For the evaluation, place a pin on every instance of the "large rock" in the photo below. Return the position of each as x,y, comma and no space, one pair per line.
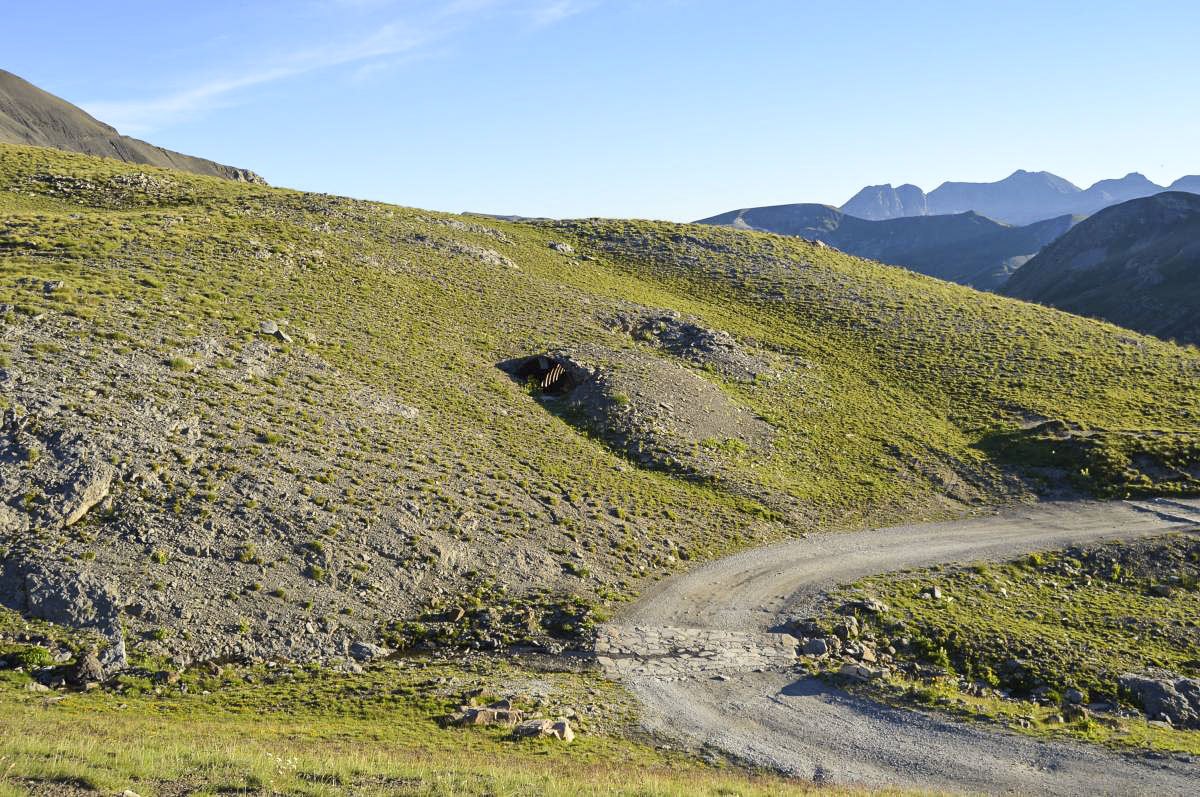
559,729
366,651
815,647
78,600
1164,693
864,605
859,672
87,670
87,486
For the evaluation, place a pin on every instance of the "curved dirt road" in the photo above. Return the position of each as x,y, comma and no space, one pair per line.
698,654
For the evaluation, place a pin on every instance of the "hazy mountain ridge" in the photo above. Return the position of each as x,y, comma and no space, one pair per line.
1190,184
876,202
32,117
966,248
1136,264
1021,198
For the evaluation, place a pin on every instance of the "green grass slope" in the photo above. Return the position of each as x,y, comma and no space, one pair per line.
371,472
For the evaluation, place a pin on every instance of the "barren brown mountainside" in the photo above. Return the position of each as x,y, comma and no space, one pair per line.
33,117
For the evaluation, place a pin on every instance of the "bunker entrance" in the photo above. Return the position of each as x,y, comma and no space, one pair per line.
551,377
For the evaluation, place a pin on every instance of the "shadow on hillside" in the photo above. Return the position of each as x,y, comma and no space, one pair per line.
1059,456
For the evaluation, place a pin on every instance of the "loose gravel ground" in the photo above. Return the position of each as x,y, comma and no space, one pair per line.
749,702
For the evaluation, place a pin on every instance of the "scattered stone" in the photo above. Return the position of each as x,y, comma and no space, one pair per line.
866,605
1073,695
167,677
932,592
366,651
562,729
1075,713
559,729
562,248
847,628
807,627
858,672
688,339
534,727
1055,719
1161,590
815,647
272,328
34,686
499,713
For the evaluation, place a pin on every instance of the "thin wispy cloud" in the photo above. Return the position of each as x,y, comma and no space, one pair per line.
387,46
549,13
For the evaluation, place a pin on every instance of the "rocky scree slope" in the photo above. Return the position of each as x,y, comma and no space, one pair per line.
965,248
31,116
1136,264
244,422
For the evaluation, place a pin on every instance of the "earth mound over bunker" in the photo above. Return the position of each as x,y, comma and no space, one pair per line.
658,413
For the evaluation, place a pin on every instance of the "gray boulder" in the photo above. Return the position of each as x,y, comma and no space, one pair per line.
365,651
87,486
815,647
863,605
78,600
1164,693
87,670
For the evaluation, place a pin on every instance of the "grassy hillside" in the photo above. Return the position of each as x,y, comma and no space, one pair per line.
293,404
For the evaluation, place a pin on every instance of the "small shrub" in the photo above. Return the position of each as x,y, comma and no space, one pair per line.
34,656
248,555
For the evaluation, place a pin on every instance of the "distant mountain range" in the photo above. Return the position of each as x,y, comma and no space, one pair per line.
1136,264
966,248
1021,198
32,117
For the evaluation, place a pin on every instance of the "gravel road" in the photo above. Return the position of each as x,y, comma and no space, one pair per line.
697,652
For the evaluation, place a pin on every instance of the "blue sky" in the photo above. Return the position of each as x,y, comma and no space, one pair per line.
671,109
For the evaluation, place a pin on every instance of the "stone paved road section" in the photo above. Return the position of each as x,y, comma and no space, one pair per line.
698,652
666,652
